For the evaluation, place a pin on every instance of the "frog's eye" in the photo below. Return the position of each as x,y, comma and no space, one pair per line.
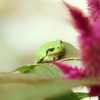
60,42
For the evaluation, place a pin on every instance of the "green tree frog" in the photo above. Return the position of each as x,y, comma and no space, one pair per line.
49,51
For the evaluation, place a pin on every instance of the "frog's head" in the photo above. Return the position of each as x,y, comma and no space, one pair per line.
55,47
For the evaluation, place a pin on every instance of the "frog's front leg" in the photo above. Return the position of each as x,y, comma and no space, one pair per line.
48,58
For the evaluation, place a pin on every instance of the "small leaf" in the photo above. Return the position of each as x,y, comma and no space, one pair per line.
25,69
44,69
82,95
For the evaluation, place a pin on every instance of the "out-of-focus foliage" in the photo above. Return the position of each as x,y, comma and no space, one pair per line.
36,87
40,82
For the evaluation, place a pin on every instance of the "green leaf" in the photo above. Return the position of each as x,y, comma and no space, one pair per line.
45,70
82,95
73,61
25,69
70,51
36,87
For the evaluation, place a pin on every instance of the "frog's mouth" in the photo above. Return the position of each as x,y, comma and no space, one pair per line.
59,55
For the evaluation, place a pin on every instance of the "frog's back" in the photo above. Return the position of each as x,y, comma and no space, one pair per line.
41,52
48,45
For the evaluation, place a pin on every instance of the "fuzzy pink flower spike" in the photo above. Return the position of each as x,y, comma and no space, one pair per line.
89,40
68,71
94,9
81,22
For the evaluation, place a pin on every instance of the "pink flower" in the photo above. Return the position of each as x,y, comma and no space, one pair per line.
94,90
89,40
94,9
68,71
